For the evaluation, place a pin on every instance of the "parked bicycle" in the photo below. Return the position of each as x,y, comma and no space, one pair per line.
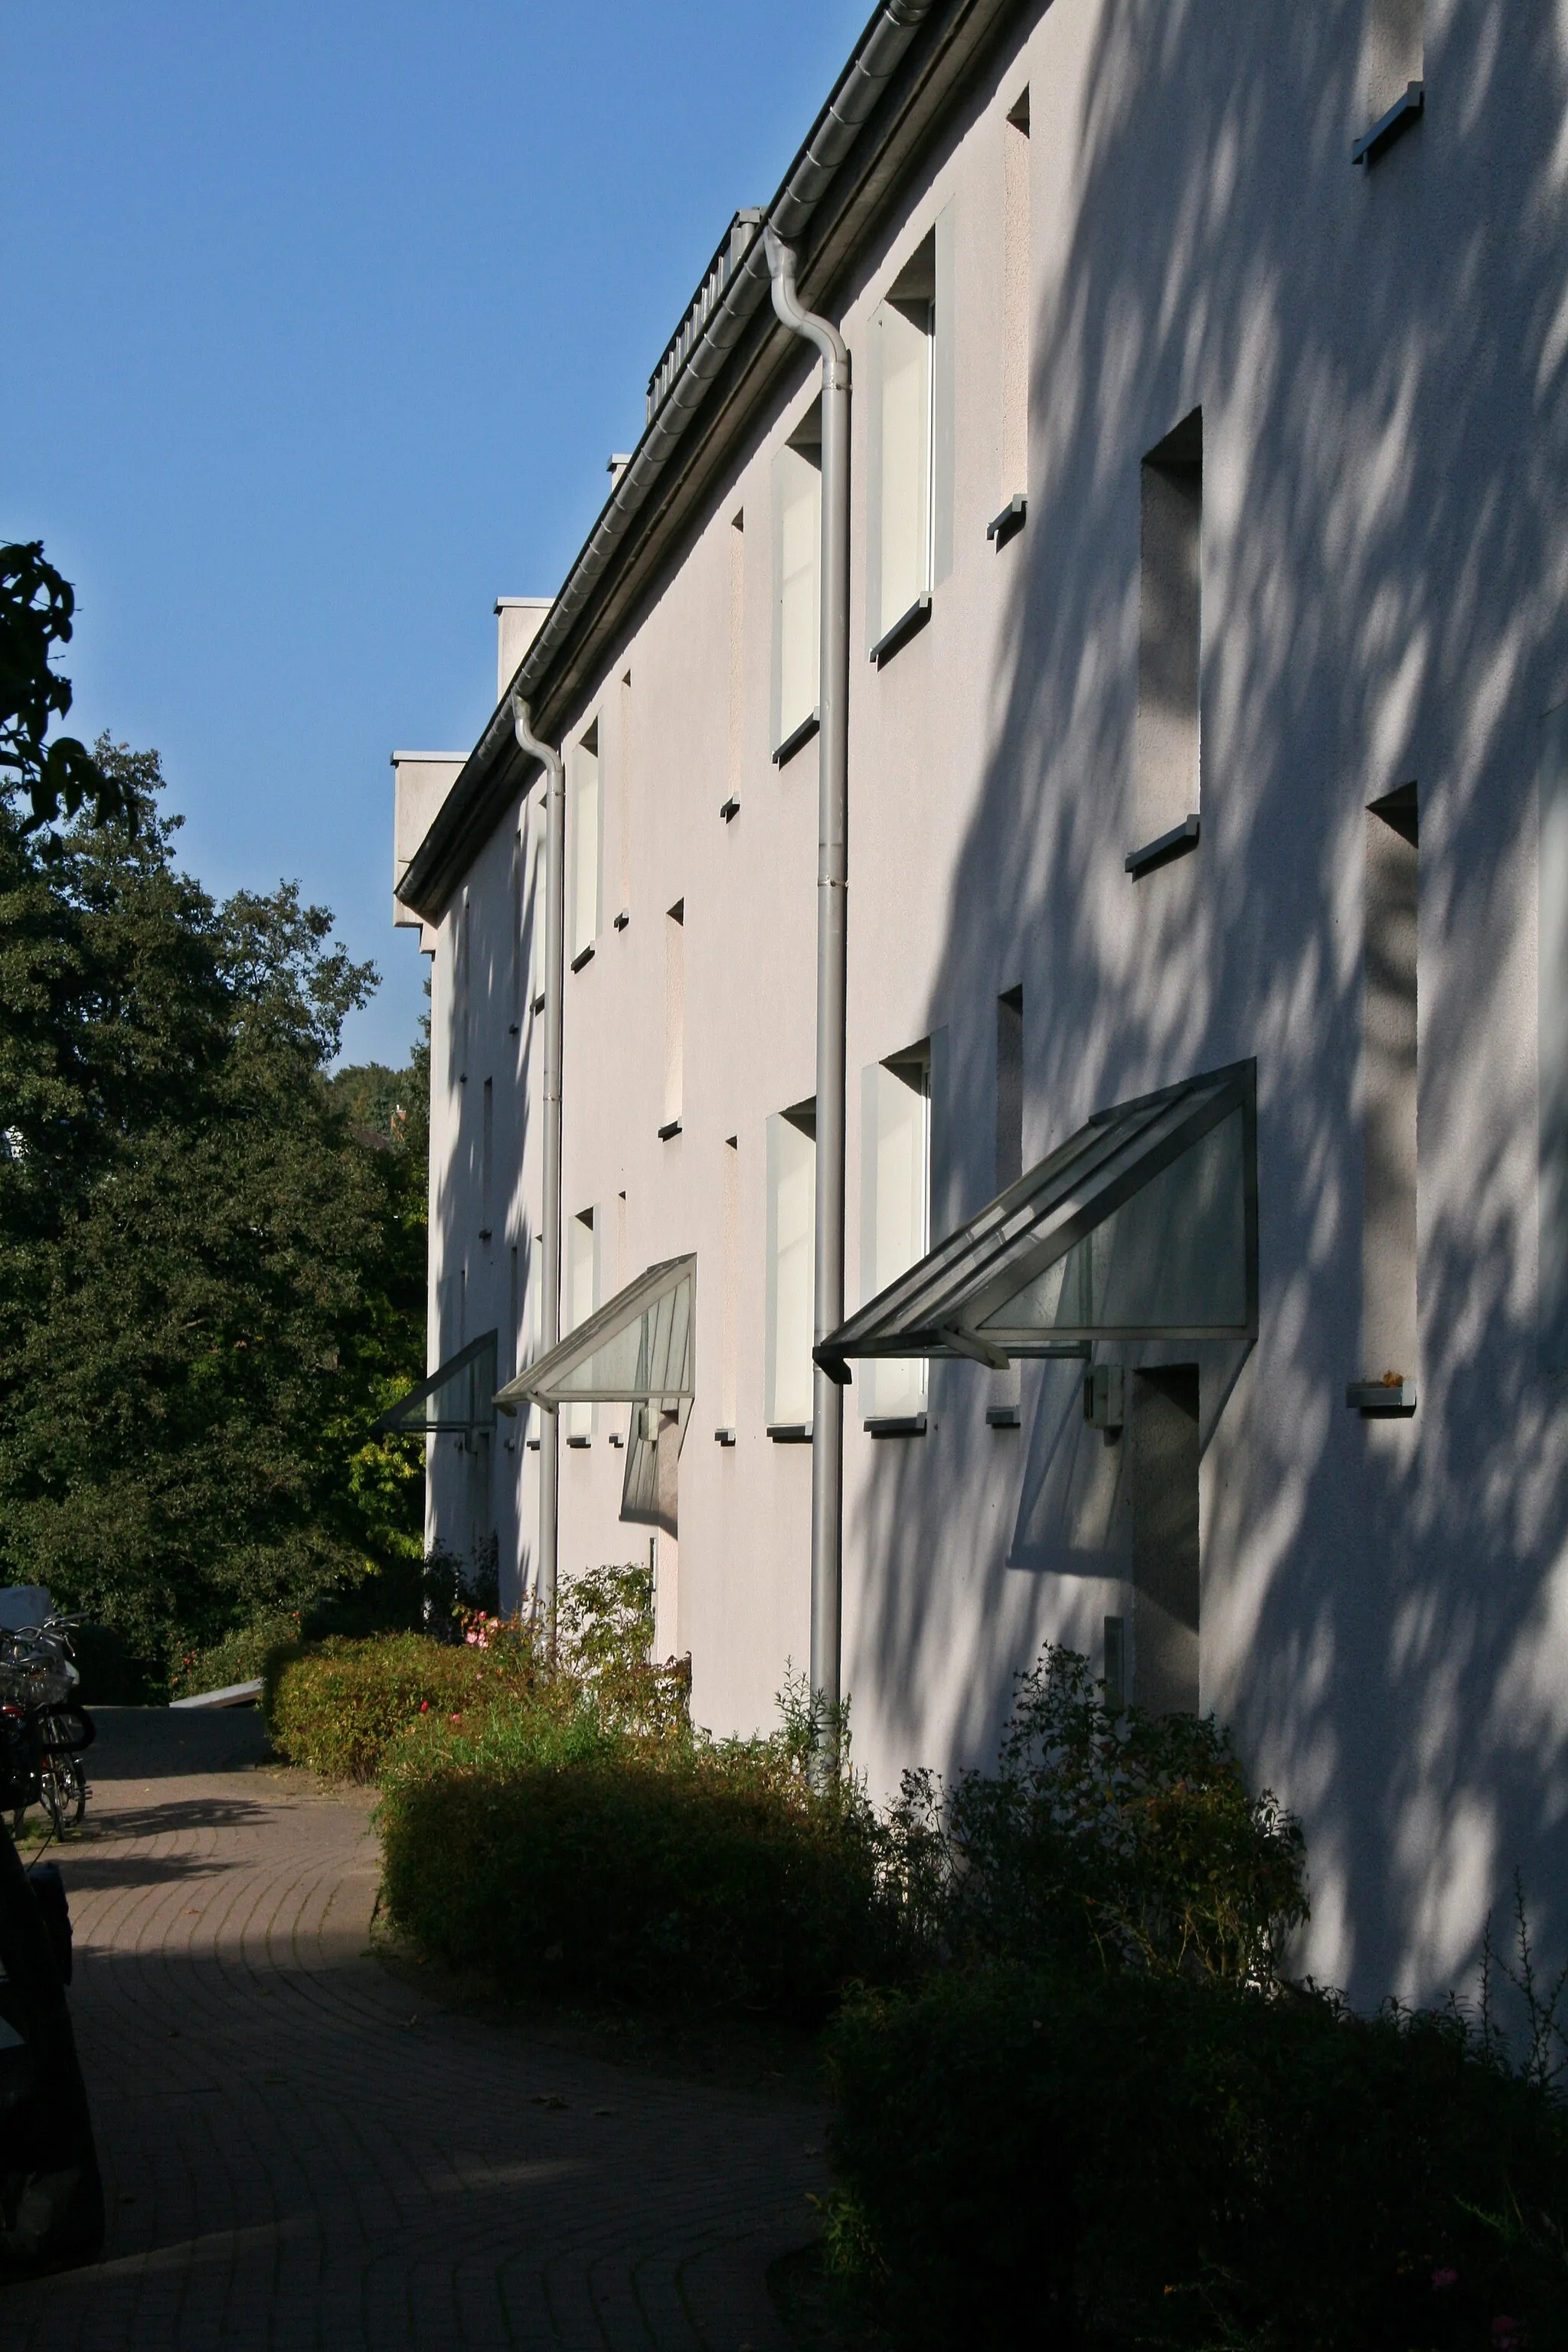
44,1730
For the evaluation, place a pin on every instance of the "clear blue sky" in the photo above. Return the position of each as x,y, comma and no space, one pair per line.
323,320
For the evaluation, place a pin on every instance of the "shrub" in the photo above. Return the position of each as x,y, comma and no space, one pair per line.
1121,2159
568,1856
337,1706
1113,1839
240,1657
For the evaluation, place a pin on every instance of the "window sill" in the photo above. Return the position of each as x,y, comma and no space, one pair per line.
578,1444
797,739
1383,1399
583,956
894,1425
538,1005
1402,116
723,1437
790,1433
1010,521
1165,846
670,1131
616,1440
906,625
731,809
623,918
1002,1416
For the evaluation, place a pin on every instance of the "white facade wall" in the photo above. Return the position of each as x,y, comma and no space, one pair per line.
1379,360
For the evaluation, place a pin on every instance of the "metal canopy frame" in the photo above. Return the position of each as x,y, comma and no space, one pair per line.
952,1302
652,1317
470,1374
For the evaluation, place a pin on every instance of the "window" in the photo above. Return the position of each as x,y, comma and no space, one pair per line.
1009,1087
1552,1039
1388,1083
1115,1664
737,652
1166,1580
582,1298
895,1211
1393,92
584,888
730,1358
792,1269
1016,301
1393,54
1166,750
797,583
674,1017
518,886
623,796
461,962
487,1159
1005,1402
910,472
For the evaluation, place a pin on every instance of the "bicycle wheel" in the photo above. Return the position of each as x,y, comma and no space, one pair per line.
62,1788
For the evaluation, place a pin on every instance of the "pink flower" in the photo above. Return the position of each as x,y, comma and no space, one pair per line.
424,1707
1444,2278
455,1719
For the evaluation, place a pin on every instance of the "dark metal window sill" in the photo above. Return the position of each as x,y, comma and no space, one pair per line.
578,1442
1402,116
797,739
1379,1397
1166,846
790,1433
1010,521
906,625
894,1425
731,809
538,1004
583,956
1002,1416
723,1437
671,1128
623,918
616,1440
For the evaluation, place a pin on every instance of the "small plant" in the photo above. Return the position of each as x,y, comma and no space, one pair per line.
1116,1838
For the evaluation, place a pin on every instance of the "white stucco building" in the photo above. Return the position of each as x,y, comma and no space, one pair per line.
1208,550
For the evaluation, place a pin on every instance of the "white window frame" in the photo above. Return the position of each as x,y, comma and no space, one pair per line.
792,1269
585,848
895,1211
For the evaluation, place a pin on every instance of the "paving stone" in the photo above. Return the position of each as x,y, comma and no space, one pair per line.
288,2162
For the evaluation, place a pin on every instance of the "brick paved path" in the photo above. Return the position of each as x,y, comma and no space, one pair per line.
297,2152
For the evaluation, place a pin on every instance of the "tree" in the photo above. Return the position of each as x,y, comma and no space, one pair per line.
37,611
211,1286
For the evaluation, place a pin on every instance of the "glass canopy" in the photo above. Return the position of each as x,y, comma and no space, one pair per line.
1143,1225
635,1350
456,1397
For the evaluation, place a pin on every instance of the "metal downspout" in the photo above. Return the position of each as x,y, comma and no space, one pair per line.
555,1031
832,826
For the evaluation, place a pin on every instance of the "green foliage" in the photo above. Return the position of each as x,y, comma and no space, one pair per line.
212,1289
242,1656
338,1706
1124,1839
37,613
562,1828
1125,2159
562,1855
